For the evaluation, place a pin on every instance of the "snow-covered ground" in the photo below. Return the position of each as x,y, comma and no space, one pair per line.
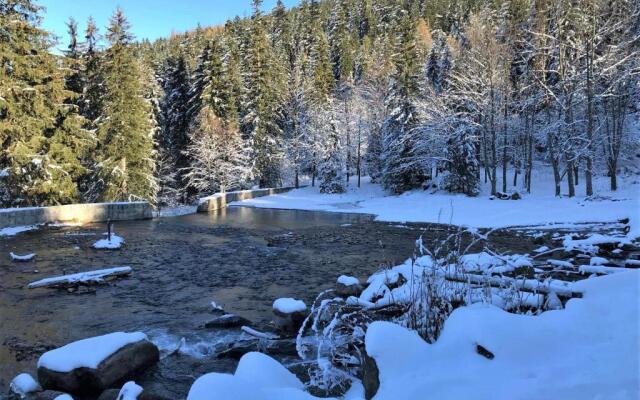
539,207
589,350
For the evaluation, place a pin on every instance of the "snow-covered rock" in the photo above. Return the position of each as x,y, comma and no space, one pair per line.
23,384
22,258
348,286
258,377
105,244
63,397
93,364
288,305
14,230
289,313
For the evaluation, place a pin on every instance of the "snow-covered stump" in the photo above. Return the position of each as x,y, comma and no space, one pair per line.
90,366
290,314
82,278
348,286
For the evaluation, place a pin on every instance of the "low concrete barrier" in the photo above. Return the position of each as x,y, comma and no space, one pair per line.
220,200
77,213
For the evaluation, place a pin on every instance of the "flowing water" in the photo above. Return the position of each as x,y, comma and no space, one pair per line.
243,258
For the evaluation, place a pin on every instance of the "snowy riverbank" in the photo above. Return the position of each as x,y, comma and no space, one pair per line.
538,208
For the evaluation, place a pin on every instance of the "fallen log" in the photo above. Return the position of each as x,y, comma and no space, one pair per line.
82,278
524,285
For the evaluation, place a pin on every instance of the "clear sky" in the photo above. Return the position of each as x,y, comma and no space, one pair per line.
150,19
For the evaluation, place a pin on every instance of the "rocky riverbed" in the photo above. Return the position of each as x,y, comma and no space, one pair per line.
241,258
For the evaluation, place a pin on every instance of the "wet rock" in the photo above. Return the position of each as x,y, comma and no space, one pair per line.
227,321
370,376
343,290
121,365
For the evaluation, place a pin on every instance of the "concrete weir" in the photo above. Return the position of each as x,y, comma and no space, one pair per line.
220,200
76,213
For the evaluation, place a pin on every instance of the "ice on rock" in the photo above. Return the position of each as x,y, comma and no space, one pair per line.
87,353
24,384
288,305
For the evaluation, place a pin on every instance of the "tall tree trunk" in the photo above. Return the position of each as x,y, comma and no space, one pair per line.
570,179
588,173
504,150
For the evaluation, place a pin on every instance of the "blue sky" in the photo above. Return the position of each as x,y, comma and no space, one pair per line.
150,19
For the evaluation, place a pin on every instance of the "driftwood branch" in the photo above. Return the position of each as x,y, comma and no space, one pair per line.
524,285
82,278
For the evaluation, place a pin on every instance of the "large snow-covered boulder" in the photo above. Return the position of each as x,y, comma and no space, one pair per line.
94,364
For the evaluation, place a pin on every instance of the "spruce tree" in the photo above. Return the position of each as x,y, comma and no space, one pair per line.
91,100
401,172
38,131
125,169
262,101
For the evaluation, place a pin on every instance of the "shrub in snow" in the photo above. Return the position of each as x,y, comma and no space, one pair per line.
23,384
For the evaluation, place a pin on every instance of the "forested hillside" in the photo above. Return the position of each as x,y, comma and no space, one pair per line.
411,93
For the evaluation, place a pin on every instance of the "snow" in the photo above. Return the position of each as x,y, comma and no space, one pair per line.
84,277
598,261
539,207
541,249
14,230
105,244
348,280
288,305
130,391
18,257
63,397
258,377
87,353
24,384
586,351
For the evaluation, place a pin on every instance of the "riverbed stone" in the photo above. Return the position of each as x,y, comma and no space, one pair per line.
227,321
124,364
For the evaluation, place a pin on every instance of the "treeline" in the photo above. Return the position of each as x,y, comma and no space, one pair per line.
410,92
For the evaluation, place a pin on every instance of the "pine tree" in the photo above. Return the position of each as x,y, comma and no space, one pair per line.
125,170
401,172
38,131
331,171
262,101
176,116
91,101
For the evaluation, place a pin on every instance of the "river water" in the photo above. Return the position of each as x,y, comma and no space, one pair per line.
243,258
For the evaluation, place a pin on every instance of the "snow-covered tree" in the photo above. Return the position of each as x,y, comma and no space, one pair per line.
218,154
